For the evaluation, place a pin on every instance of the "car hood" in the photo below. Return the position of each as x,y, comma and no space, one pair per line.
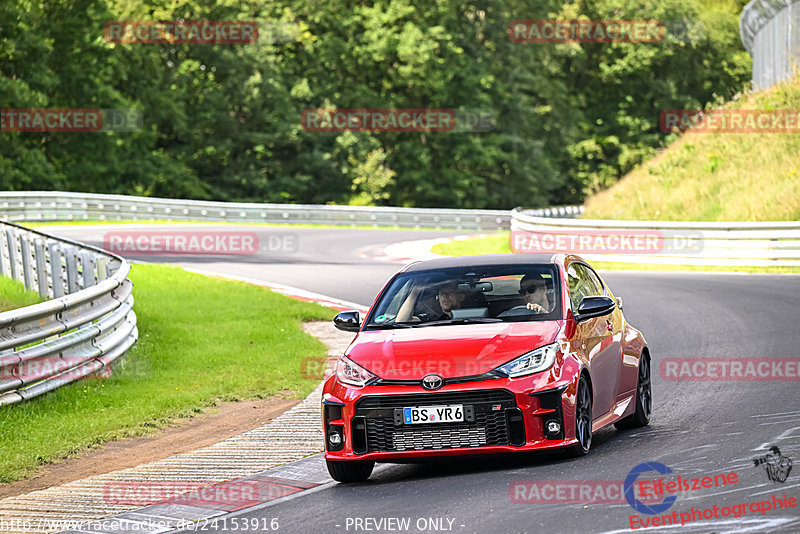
451,351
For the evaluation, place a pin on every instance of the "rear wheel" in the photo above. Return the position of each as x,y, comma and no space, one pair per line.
350,471
644,398
583,419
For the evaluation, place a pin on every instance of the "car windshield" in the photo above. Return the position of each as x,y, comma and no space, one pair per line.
469,295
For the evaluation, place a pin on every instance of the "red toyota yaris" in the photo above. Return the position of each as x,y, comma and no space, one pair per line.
483,354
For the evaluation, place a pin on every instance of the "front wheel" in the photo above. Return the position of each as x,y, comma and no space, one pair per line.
583,420
644,399
357,471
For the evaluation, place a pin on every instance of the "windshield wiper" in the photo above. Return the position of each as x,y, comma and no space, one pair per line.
470,320
388,326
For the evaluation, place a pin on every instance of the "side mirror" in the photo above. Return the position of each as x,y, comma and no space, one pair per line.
349,321
594,307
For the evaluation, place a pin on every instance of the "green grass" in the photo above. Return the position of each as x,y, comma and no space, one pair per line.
201,341
715,177
14,295
499,244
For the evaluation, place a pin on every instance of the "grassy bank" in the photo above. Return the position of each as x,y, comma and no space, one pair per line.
699,177
715,177
201,341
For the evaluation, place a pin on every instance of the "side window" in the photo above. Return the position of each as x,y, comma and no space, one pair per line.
582,282
575,285
593,280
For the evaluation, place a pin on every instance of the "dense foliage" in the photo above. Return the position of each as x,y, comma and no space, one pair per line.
223,121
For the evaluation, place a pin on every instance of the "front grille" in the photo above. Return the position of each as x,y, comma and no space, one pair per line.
384,433
491,375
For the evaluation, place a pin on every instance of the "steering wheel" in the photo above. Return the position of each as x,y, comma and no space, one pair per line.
517,311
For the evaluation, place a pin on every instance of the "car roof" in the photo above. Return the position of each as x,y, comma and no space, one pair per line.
481,260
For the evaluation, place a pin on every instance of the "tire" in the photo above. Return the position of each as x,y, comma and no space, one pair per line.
583,420
644,398
357,471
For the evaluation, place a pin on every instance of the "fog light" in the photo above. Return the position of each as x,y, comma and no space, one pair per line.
334,438
553,427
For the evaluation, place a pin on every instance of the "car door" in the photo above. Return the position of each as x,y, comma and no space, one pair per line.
599,342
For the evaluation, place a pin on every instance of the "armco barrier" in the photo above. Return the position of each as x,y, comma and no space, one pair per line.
87,323
683,243
43,206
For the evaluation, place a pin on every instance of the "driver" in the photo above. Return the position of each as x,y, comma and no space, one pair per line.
534,290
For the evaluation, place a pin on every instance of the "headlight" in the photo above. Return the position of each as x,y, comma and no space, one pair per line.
350,372
531,362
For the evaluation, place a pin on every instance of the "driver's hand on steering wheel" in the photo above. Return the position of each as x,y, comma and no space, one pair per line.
535,307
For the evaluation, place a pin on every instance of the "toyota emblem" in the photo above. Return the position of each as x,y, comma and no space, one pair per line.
432,382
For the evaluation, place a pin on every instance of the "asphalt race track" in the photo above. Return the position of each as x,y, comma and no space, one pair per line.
698,428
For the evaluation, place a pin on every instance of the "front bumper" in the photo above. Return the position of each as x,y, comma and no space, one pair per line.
501,415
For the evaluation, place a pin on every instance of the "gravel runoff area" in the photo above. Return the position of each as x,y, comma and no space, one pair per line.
263,464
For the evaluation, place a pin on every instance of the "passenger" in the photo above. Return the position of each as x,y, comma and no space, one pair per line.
448,296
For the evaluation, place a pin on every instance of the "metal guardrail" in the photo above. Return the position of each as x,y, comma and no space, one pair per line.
682,243
770,31
558,212
88,323
42,206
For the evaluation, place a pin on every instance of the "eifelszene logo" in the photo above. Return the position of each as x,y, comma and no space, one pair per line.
638,505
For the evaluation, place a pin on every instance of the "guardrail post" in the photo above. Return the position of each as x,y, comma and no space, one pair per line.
3,269
87,269
11,241
71,258
102,268
56,270
27,271
41,267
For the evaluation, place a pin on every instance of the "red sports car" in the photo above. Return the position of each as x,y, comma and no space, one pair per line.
483,354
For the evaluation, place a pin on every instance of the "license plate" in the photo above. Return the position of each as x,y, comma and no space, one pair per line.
452,413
